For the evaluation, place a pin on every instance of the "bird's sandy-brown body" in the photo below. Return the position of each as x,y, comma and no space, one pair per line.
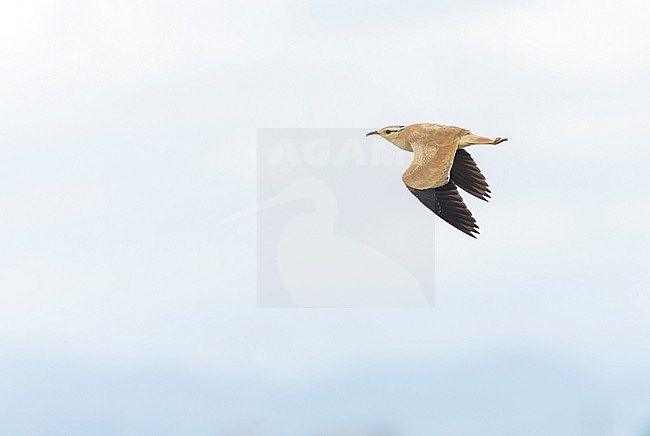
434,147
439,164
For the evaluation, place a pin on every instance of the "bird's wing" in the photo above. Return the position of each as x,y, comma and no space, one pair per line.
427,177
466,175
446,202
433,154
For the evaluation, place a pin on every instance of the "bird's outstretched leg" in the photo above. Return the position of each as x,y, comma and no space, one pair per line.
471,139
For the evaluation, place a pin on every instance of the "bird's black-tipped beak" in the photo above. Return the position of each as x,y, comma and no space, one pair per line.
374,132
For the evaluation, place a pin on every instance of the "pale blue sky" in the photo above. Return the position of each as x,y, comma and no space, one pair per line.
129,129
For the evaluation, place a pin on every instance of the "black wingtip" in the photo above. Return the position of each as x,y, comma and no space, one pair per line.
445,202
467,176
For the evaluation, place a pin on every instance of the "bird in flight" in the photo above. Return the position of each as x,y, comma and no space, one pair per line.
440,164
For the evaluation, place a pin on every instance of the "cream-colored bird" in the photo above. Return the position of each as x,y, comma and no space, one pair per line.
440,163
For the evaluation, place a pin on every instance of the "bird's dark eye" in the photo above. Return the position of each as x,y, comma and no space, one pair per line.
387,132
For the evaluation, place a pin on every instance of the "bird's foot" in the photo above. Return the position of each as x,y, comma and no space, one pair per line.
499,140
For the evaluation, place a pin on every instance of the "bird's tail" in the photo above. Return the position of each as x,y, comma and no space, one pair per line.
471,139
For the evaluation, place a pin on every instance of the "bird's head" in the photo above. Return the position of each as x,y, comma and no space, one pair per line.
393,134
388,132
